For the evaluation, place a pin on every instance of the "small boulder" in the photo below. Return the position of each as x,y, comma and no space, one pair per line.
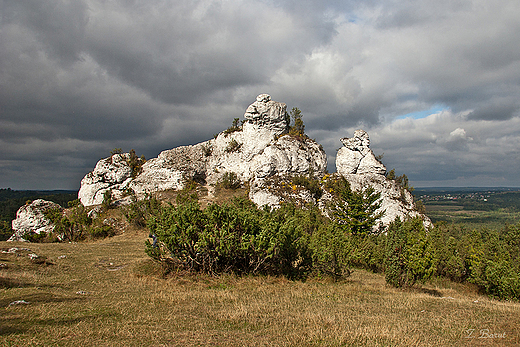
30,218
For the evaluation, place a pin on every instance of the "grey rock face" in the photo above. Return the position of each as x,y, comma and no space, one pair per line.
31,219
356,157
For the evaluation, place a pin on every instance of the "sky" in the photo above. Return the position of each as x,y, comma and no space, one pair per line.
436,84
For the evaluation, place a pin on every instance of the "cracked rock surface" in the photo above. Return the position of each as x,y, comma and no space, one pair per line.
356,157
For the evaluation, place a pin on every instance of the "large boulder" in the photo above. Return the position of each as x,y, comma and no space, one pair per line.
113,173
30,218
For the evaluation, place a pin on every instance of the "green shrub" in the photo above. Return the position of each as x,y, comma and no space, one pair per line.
107,200
501,279
5,230
408,255
73,226
116,151
207,150
367,251
454,250
311,184
188,193
355,211
495,266
230,180
102,231
139,211
402,182
234,237
298,128
233,146
135,163
331,251
234,127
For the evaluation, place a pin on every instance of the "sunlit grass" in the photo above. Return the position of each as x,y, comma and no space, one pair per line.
109,293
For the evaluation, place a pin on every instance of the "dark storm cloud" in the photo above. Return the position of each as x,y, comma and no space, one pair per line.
57,26
78,78
501,109
182,52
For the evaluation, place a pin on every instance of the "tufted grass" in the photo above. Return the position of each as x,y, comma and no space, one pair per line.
109,293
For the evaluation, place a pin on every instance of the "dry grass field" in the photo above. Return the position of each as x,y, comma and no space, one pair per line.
109,293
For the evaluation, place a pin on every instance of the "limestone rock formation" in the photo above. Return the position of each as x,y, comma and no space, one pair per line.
259,149
112,173
357,163
260,153
31,218
356,157
268,114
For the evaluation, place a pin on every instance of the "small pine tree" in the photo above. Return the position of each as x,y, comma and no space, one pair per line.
298,129
116,151
135,163
355,211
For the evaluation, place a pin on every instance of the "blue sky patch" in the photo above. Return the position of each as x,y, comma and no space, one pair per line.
424,113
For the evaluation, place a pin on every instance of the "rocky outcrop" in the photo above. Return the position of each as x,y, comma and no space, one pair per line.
268,114
31,218
395,200
357,163
356,157
261,153
260,148
112,173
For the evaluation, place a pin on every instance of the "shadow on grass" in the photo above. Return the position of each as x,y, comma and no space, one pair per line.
6,283
18,320
16,324
432,292
38,298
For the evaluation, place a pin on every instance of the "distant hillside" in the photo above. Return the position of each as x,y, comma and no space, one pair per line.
471,199
490,208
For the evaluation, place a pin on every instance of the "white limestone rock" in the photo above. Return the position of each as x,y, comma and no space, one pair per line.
356,157
170,170
268,114
357,163
260,194
31,218
258,149
112,173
